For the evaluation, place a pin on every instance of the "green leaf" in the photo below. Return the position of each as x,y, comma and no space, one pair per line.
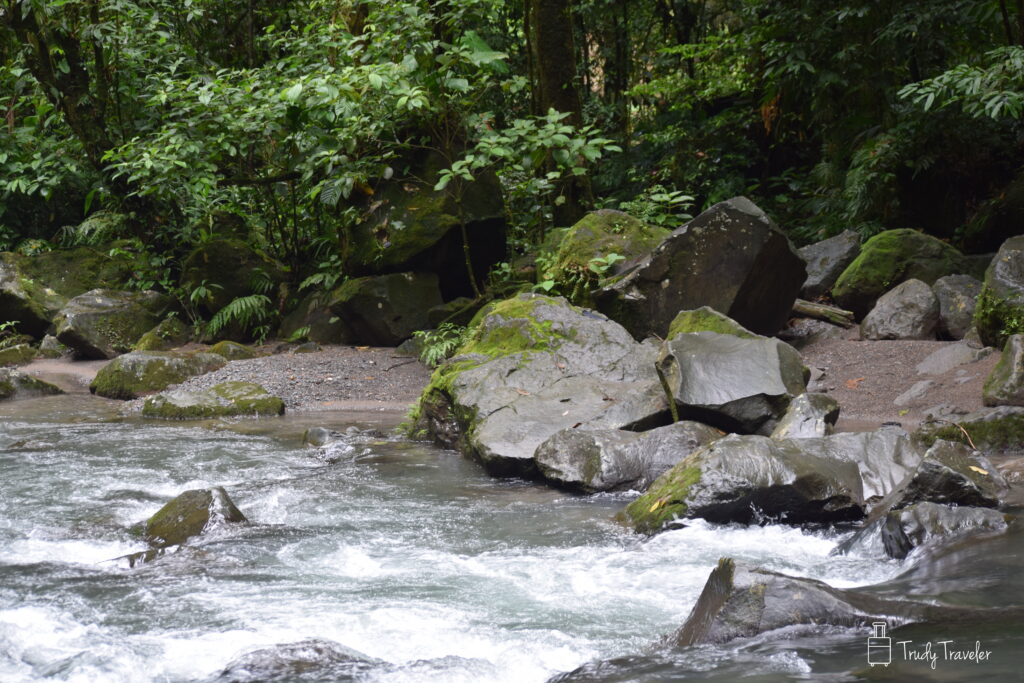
292,93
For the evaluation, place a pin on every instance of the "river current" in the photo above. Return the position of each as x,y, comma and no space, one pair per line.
404,552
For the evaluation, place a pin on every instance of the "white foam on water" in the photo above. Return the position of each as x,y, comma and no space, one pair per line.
68,551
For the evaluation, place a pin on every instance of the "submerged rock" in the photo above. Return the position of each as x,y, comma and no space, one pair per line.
533,366
746,479
227,399
313,659
732,258
957,295
826,260
908,311
738,385
16,384
190,514
142,372
808,416
1005,384
385,310
613,459
104,323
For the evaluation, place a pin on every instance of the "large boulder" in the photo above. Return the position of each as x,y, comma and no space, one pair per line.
826,260
892,257
228,269
952,474
30,304
908,311
313,319
384,310
410,226
104,323
957,295
706,319
736,384
746,479
143,372
1005,384
170,333
1000,309
614,459
16,384
732,258
190,514
533,366
595,236
313,659
808,416
227,399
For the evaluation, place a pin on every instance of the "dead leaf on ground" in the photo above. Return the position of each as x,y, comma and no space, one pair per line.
978,470
853,383
522,392
362,348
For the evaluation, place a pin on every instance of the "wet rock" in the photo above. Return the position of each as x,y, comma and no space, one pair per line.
890,258
738,385
732,258
952,474
988,428
1000,309
233,350
190,514
596,235
1005,384
898,532
168,334
319,436
227,399
746,479
808,416
957,295
312,319
385,310
909,311
613,459
707,319
104,323
142,372
536,365
826,260
313,659
16,384
19,354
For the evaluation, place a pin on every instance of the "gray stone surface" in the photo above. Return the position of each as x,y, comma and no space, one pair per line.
826,260
808,416
957,295
1004,287
1005,384
384,310
104,323
908,311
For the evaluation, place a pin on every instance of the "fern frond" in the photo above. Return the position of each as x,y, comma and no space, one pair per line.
248,311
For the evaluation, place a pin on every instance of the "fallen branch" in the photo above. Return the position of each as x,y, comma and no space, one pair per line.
830,314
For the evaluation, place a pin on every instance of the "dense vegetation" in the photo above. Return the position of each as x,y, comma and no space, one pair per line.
279,122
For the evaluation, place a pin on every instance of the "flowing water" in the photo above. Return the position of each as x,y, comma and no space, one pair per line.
401,551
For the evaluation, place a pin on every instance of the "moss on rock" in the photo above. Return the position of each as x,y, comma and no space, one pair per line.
227,399
16,384
19,354
233,350
141,372
169,334
707,319
189,514
666,500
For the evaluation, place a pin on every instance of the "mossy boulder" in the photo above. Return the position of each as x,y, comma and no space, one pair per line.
28,302
19,354
233,350
227,399
410,226
16,384
1005,384
890,258
535,365
170,333
189,515
50,347
104,323
999,428
747,478
230,268
313,320
595,236
731,257
999,312
384,310
143,372
707,319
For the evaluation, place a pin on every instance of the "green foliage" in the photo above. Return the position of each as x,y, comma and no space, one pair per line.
993,89
9,334
251,313
659,206
439,345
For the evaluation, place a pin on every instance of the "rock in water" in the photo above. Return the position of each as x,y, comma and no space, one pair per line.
890,258
953,474
385,310
1005,384
735,384
313,660
140,372
957,295
732,258
613,459
1000,308
826,260
104,323
536,365
189,515
808,416
227,399
908,311
16,384
745,479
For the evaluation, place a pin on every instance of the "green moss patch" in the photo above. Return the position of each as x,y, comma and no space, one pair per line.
141,372
707,319
666,500
227,399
